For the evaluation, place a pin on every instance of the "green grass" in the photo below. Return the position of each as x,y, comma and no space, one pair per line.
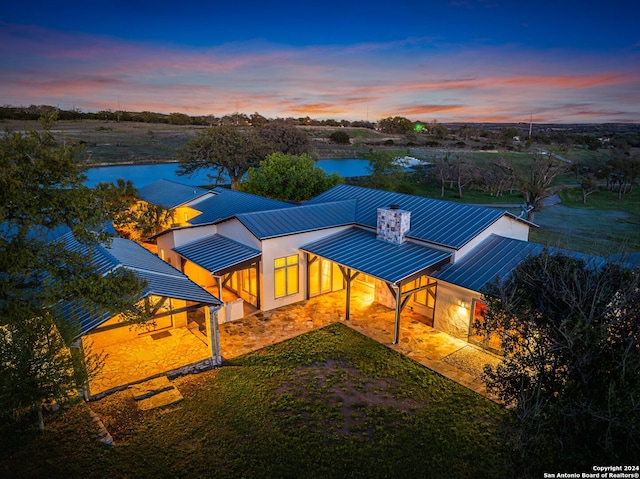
330,403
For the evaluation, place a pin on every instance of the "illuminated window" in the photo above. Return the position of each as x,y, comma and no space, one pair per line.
286,275
249,281
426,296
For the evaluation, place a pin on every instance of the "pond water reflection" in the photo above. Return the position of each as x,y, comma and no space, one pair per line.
142,175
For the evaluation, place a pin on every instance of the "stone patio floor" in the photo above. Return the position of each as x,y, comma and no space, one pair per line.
147,357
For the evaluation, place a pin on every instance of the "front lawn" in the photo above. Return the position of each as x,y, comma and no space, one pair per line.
330,403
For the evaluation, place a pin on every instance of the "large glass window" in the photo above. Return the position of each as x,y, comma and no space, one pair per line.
286,276
249,282
427,296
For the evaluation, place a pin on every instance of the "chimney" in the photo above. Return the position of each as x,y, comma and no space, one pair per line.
393,223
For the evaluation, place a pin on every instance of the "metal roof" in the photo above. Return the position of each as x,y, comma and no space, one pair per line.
299,219
359,249
162,279
440,222
225,203
494,258
217,253
170,194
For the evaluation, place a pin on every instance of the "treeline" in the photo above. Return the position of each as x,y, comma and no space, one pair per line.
35,112
509,136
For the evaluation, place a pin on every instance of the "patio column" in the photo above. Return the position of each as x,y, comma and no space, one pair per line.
396,329
214,335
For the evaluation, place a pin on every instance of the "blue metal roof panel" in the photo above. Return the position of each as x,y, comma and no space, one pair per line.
226,203
216,253
162,278
494,258
436,221
176,286
300,219
170,194
360,250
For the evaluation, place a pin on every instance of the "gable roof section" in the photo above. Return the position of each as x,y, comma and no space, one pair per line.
359,249
170,194
495,258
162,279
225,203
440,222
299,219
216,253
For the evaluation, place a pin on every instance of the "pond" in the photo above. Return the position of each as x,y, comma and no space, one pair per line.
141,175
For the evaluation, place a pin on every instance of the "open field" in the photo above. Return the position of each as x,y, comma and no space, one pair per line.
330,403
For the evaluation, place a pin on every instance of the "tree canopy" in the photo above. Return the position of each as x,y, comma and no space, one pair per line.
231,151
570,332
289,178
42,195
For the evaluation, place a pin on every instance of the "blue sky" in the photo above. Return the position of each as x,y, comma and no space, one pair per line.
565,61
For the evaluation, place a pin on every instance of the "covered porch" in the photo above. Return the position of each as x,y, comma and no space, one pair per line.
147,357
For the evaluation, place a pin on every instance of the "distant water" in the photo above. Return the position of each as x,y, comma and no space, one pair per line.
142,175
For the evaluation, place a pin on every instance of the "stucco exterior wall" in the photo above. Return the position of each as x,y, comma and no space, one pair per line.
281,247
236,231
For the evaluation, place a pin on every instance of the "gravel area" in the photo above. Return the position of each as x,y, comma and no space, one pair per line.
471,360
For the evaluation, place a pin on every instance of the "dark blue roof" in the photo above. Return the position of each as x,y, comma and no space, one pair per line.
225,203
162,279
359,249
170,194
495,258
299,219
435,221
216,253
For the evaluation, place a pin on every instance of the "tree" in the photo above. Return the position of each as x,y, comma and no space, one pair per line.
280,137
384,170
570,373
535,178
41,194
395,125
289,178
227,150
340,137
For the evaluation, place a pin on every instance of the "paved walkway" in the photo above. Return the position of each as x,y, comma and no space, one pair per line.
453,358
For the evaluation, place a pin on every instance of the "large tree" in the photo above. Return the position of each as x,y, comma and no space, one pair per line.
41,195
227,150
289,178
535,177
570,332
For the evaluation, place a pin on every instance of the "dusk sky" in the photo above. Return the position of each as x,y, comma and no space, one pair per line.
562,61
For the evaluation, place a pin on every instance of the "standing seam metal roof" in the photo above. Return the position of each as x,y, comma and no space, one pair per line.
300,219
225,203
216,253
495,258
170,194
359,249
435,221
162,279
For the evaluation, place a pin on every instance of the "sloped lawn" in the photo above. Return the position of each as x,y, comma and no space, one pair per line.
330,403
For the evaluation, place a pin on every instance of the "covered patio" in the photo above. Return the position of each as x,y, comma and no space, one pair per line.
147,357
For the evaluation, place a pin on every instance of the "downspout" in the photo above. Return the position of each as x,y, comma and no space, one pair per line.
214,335
396,329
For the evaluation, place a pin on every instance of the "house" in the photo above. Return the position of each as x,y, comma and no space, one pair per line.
408,252
177,307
